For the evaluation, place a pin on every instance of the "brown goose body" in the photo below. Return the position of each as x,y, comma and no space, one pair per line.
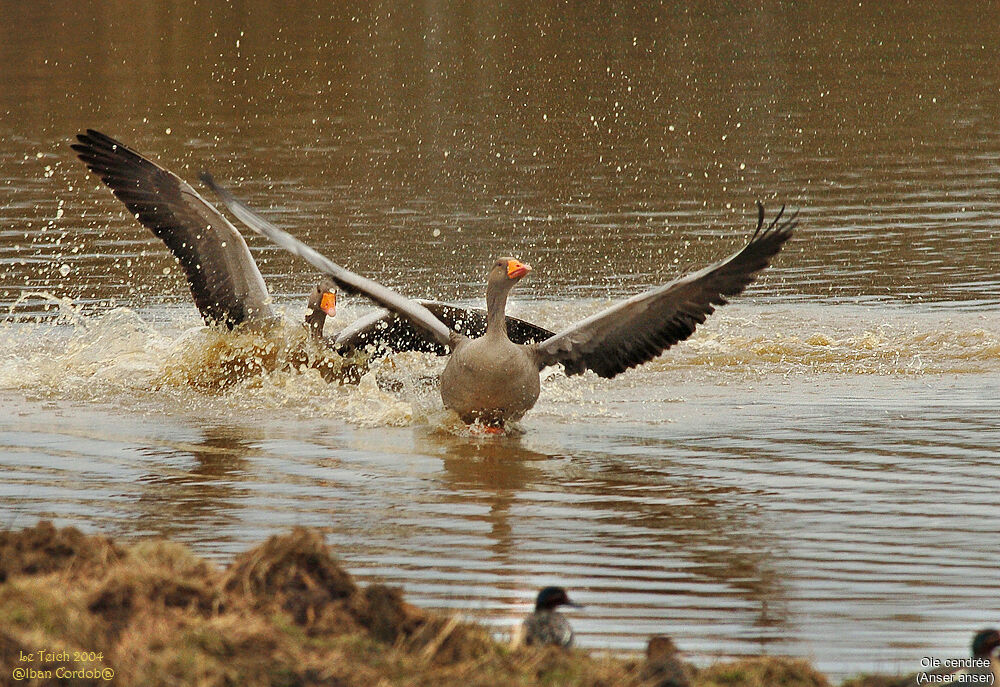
491,379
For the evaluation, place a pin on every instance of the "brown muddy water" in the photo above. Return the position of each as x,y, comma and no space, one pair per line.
814,473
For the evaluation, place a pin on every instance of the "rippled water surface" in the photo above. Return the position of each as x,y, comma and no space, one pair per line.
813,473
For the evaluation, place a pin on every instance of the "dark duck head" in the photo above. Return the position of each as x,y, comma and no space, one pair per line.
551,598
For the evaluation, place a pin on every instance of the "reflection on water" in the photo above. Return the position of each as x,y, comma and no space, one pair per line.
813,473
197,495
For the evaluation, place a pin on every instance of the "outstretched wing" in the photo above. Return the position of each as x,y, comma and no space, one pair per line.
224,279
420,317
384,331
639,329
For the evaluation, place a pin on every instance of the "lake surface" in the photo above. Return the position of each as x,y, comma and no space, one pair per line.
813,473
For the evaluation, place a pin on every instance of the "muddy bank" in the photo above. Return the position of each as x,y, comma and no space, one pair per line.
85,610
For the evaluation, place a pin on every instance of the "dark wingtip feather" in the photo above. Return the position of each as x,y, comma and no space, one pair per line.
777,217
159,201
760,219
94,139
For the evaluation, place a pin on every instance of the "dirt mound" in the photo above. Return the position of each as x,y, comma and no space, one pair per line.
44,549
295,572
153,577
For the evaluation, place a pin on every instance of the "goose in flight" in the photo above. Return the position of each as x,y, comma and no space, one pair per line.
224,279
491,379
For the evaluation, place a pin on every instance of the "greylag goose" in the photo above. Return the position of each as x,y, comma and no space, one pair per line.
491,379
224,279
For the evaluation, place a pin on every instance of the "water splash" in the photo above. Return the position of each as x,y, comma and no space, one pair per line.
783,344
118,355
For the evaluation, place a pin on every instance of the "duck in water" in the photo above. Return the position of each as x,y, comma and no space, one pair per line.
547,626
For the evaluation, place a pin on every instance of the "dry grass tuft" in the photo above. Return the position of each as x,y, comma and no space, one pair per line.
763,671
296,573
881,681
44,549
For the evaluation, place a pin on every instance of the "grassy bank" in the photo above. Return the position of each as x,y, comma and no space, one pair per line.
74,607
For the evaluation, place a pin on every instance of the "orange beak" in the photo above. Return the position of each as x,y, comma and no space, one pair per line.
516,270
328,303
